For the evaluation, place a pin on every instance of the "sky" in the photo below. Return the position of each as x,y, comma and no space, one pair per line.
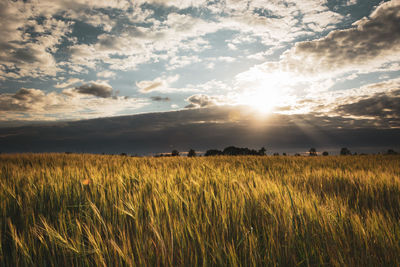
317,62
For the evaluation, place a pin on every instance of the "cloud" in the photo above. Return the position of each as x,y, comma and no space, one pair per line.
278,21
226,59
27,99
160,99
379,105
351,2
201,101
175,3
213,86
27,43
106,74
68,83
232,46
34,104
376,102
182,61
135,45
161,84
372,42
34,32
96,89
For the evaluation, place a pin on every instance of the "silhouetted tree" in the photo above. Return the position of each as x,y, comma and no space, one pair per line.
312,151
345,151
391,152
262,151
276,154
325,153
284,154
213,152
175,153
297,155
236,151
192,153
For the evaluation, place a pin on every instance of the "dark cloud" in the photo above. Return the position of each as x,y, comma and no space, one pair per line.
201,129
372,39
26,55
96,89
24,94
160,99
384,106
200,101
24,100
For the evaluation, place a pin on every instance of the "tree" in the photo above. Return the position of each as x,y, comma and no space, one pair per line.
345,151
391,152
192,153
175,153
236,151
325,153
312,151
276,154
262,151
213,152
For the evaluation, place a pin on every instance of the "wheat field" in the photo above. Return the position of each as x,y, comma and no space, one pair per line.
100,210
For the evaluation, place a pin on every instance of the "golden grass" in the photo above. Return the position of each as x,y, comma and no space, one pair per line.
92,210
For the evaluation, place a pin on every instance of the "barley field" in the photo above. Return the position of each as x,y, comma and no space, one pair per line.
100,210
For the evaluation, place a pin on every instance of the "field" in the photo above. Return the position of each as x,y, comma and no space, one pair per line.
99,210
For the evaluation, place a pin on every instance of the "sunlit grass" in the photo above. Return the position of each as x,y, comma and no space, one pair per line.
92,210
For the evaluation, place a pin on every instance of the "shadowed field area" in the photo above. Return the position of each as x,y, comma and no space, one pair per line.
92,210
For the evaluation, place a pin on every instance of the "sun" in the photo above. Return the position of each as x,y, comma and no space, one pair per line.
264,91
263,100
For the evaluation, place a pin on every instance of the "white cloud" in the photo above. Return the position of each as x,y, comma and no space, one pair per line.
182,61
372,42
28,53
260,55
210,65
176,3
232,46
106,74
351,2
161,84
130,46
311,67
139,45
226,59
68,83
328,102
214,86
278,21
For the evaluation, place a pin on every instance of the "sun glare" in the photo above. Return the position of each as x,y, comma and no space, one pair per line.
267,94
263,101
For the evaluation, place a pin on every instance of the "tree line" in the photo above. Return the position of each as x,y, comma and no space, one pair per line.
244,151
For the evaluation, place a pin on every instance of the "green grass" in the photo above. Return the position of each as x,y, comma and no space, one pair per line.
217,211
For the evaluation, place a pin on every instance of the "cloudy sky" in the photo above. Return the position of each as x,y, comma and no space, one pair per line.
78,59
